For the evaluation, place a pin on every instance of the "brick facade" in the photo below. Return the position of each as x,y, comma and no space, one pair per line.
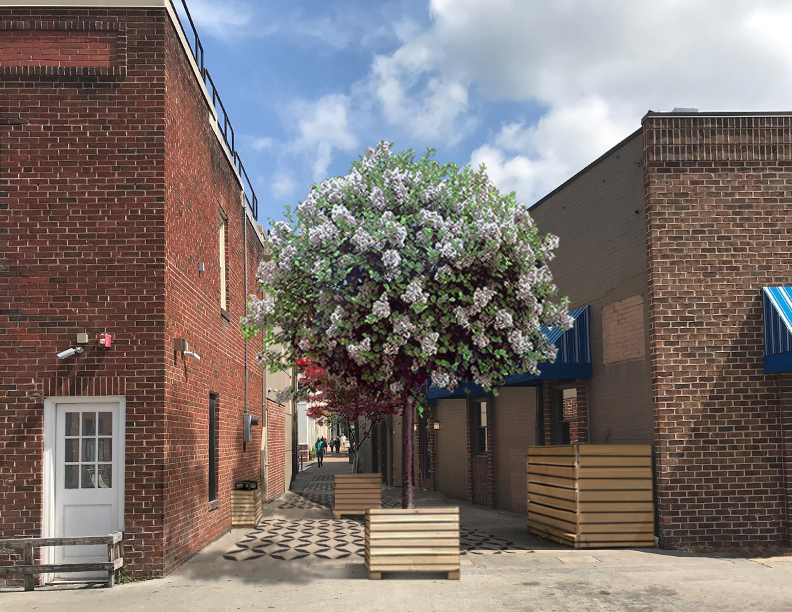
276,444
107,207
718,190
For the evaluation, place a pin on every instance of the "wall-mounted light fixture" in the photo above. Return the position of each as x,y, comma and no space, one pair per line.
69,352
180,345
437,424
415,427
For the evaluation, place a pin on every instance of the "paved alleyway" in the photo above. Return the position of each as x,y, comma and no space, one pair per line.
299,558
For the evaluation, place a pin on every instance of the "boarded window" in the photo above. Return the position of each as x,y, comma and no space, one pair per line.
623,335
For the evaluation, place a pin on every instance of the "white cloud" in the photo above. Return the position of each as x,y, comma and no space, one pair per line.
323,127
220,18
596,67
283,185
545,154
261,144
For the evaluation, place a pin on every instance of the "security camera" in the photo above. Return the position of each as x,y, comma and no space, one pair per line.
192,354
70,352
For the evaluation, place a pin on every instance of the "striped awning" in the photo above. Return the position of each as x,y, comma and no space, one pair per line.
777,305
573,359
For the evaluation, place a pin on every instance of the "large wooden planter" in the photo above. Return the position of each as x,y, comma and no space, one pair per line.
419,540
591,495
354,493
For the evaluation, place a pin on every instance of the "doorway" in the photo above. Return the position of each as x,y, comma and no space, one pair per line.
481,451
83,477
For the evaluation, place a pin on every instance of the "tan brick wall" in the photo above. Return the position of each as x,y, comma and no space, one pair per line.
514,432
452,464
623,337
599,219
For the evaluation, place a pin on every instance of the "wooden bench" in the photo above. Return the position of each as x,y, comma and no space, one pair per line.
354,493
115,557
417,540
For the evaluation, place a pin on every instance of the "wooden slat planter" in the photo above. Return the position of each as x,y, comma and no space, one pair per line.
354,493
115,557
419,540
592,495
246,508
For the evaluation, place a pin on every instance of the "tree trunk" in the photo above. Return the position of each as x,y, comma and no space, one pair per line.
355,463
408,454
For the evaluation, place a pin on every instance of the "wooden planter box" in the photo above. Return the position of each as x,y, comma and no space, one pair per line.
592,495
354,493
246,508
419,540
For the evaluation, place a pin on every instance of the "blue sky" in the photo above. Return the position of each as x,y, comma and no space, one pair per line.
534,89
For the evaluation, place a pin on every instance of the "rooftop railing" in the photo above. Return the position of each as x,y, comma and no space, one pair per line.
223,122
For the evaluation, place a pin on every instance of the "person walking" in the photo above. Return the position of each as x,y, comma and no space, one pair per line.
320,451
337,443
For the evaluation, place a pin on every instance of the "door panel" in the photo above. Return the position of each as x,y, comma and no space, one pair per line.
88,492
481,484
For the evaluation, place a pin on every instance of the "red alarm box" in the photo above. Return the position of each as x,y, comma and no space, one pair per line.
105,340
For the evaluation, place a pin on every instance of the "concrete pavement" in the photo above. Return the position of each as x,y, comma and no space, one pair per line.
300,559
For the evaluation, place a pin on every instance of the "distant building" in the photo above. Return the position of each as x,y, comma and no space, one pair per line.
125,216
669,245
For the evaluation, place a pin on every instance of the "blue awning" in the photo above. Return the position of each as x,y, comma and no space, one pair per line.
777,304
573,359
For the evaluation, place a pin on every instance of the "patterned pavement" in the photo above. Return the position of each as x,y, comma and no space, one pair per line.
287,540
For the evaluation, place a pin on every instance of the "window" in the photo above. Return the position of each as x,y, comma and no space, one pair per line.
223,280
480,427
212,446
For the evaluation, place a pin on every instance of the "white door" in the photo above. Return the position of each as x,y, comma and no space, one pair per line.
89,457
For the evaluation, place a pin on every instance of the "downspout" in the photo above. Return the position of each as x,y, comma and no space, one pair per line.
244,221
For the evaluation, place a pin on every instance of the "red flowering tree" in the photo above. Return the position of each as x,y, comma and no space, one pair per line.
336,402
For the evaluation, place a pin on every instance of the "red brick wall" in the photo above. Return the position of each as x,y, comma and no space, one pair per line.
276,446
82,249
199,184
91,196
718,230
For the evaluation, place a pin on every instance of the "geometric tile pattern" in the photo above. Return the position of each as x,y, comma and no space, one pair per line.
287,540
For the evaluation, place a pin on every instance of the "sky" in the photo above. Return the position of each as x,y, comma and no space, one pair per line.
534,89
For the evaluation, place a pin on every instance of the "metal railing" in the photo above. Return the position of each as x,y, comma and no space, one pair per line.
223,121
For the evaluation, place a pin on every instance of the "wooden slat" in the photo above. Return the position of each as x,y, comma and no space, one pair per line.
377,535
558,492
540,519
566,460
610,461
415,511
616,517
554,502
616,450
423,518
545,451
617,528
564,483
614,484
557,535
615,472
414,567
626,506
390,527
555,513
64,568
612,540
38,542
615,496
551,470
432,542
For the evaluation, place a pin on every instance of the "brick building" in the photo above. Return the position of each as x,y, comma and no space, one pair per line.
668,241
124,210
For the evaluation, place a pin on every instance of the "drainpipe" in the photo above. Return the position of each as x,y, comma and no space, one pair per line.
244,221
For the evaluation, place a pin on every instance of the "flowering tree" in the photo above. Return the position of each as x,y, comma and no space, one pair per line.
334,401
404,272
